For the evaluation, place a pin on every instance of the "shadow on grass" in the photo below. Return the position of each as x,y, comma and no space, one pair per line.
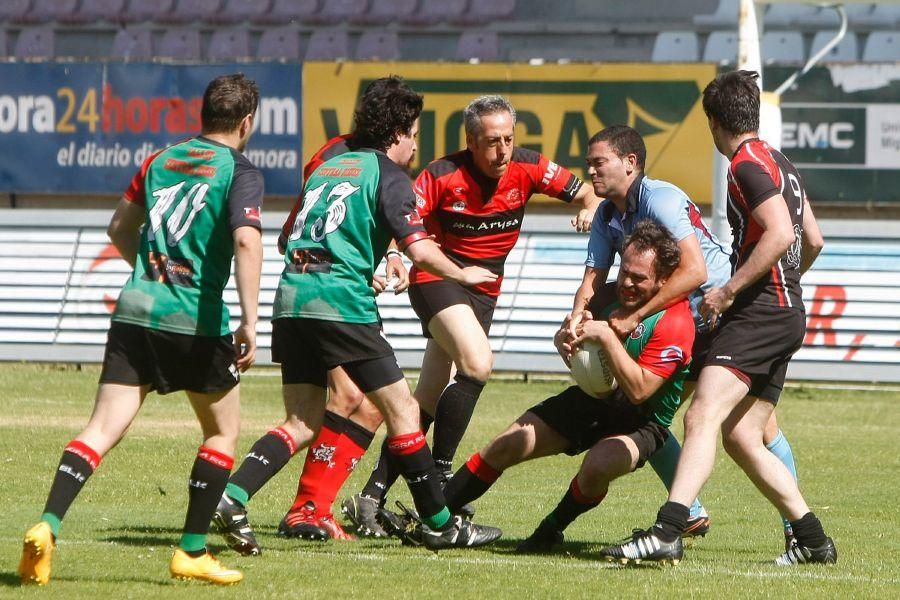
573,549
9,579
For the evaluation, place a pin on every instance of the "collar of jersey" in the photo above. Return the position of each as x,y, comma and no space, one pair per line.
632,198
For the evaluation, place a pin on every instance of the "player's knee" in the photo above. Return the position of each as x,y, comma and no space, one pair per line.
738,442
345,401
478,365
509,448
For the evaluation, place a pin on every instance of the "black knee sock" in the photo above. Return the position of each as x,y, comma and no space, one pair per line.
208,478
451,419
414,459
77,464
671,520
808,531
573,505
267,456
386,470
470,482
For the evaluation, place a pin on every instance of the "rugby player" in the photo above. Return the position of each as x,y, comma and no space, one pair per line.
201,201
618,432
759,322
473,203
325,314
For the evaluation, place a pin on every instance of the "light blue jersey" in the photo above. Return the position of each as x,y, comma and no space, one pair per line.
670,207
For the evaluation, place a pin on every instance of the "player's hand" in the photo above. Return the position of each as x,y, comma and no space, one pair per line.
563,340
475,275
574,319
598,332
715,302
245,346
622,322
379,284
582,221
395,269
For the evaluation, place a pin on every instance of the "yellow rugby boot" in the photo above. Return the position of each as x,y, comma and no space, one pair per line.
203,568
37,550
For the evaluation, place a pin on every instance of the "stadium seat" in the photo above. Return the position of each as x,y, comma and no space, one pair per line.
225,44
721,47
382,12
789,15
180,44
478,46
242,11
846,51
133,44
675,46
288,11
782,47
282,43
12,11
193,11
328,45
882,16
139,11
725,16
378,45
432,12
47,11
882,46
35,42
338,11
90,11
482,13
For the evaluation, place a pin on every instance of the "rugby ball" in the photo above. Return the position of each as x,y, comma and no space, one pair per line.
590,370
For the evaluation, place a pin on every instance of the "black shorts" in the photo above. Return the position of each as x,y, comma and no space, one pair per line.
428,299
308,348
699,353
756,343
169,362
584,421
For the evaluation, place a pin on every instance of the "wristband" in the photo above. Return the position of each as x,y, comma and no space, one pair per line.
392,252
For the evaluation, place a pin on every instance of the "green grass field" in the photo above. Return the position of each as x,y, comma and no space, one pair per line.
119,535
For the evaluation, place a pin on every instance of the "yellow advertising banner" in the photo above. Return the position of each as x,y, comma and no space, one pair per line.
559,108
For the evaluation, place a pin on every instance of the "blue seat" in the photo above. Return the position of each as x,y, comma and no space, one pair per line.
478,46
241,11
35,42
846,51
675,46
782,47
48,11
328,45
14,10
139,11
382,12
225,44
90,11
282,43
721,47
432,12
180,44
193,11
882,46
288,11
338,11
378,45
133,44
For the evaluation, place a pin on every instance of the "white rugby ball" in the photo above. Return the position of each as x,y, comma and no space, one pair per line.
590,370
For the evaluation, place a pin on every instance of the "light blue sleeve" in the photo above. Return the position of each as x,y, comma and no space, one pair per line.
668,207
601,252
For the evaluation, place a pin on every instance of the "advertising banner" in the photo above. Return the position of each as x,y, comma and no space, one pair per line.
86,128
559,108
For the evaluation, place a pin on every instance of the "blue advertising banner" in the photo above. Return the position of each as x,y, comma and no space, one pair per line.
86,128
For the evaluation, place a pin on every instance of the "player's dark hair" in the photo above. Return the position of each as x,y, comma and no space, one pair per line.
650,235
226,101
623,140
387,109
481,106
732,99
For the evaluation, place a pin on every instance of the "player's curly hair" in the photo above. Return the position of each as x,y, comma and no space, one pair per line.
623,140
650,235
226,101
387,109
732,99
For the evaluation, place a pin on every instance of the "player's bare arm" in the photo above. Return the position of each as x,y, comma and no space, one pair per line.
427,255
395,269
124,229
593,278
589,203
638,383
813,241
778,235
248,254
690,274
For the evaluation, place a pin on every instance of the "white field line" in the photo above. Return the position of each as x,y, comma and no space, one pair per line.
815,573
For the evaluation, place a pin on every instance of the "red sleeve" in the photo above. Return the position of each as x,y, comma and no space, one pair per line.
552,179
669,347
427,190
135,192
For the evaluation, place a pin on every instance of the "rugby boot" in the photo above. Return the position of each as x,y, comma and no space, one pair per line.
361,511
696,526
37,551
459,533
333,528
303,523
202,568
405,525
825,554
789,540
644,545
546,538
231,521
466,511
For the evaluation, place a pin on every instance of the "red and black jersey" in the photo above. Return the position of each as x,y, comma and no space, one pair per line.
758,172
333,147
476,219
